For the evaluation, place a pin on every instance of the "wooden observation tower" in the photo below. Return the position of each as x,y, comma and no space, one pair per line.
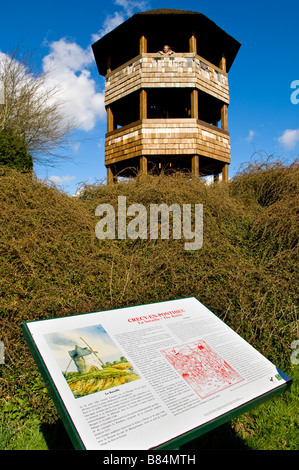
166,109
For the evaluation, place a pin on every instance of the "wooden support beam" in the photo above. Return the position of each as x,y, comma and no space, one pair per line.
110,176
222,66
222,63
143,165
216,178
224,117
193,43
194,104
142,44
110,119
195,166
225,173
143,104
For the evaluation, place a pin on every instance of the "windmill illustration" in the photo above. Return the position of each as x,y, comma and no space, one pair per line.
86,359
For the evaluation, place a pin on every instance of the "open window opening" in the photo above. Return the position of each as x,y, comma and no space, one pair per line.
168,103
126,110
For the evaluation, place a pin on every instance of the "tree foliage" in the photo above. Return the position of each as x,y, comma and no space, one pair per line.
13,151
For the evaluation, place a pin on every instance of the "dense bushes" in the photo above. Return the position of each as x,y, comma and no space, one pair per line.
52,264
13,152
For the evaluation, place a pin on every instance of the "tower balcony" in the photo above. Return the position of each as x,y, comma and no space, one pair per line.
180,70
168,141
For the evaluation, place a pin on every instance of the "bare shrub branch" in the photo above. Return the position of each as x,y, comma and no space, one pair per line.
32,109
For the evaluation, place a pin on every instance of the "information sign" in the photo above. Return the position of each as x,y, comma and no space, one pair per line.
149,376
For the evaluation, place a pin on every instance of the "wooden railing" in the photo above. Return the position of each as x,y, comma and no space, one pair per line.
182,70
167,137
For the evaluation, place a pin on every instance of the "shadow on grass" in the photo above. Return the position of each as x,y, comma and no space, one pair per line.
56,436
221,438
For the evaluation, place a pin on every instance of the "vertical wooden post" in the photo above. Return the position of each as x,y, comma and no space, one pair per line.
142,44
143,165
195,166
216,178
110,119
222,63
143,101
224,117
110,127
110,176
143,104
222,66
194,104
225,173
193,43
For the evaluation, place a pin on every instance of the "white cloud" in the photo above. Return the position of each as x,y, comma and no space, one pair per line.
289,138
250,136
131,6
112,21
67,64
61,180
75,146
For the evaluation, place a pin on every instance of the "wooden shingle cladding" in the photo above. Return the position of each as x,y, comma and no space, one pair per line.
155,71
167,137
165,109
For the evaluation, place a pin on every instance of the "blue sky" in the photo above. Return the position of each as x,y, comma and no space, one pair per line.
261,117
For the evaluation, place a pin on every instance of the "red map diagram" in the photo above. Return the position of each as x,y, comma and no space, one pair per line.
202,368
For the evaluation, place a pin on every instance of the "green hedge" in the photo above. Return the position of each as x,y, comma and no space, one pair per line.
13,151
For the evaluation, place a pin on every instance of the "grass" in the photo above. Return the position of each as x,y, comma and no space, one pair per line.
275,424
33,435
246,272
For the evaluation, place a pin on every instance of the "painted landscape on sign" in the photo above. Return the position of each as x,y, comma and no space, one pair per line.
89,360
